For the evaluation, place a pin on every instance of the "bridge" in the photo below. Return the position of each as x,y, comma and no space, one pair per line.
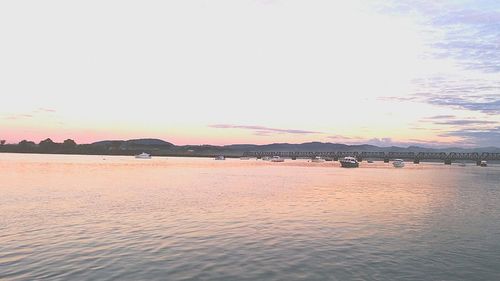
416,157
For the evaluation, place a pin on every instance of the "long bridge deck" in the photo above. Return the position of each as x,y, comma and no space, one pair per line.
416,157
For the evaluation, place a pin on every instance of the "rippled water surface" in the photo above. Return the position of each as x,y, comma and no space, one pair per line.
120,218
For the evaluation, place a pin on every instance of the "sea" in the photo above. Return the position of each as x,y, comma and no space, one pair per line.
70,217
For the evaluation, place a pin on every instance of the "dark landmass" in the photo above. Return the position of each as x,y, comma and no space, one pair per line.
158,147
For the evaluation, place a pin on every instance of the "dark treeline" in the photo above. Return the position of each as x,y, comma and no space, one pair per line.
69,146
130,147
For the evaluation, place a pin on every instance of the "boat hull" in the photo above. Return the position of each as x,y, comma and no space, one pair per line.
143,156
345,164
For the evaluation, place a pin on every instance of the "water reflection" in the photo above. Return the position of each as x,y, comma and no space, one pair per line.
82,217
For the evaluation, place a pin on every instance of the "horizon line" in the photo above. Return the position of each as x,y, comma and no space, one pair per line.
320,142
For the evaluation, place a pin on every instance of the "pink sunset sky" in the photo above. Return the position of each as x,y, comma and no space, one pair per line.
221,72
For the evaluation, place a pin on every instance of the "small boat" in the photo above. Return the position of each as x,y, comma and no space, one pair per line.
266,158
370,161
483,164
349,162
398,163
462,164
318,159
244,158
277,159
220,157
143,155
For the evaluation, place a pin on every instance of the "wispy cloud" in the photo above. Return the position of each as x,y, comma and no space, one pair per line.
479,137
386,142
263,131
340,137
456,93
439,117
43,109
18,116
465,36
35,113
464,32
455,121
465,122
485,104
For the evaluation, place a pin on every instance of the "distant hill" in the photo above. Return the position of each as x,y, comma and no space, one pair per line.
161,147
277,147
134,143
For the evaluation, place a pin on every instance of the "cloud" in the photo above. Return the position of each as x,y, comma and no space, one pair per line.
492,106
458,30
478,95
466,38
479,137
465,122
42,109
35,113
470,94
340,137
455,121
441,117
18,116
471,37
386,142
381,141
263,131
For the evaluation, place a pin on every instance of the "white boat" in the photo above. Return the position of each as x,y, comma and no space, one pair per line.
277,159
220,157
349,162
318,159
143,155
398,163
462,164
483,164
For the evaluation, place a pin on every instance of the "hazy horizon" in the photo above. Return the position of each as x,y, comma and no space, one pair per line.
425,146
381,72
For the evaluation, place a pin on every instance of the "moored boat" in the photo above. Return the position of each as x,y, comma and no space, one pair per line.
318,159
220,157
398,163
483,164
143,155
277,159
349,162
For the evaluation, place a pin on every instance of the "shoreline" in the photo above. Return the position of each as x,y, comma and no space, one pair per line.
230,156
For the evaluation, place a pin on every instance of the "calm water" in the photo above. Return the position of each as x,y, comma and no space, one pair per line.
86,218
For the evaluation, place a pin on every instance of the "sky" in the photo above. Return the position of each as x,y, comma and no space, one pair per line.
382,72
